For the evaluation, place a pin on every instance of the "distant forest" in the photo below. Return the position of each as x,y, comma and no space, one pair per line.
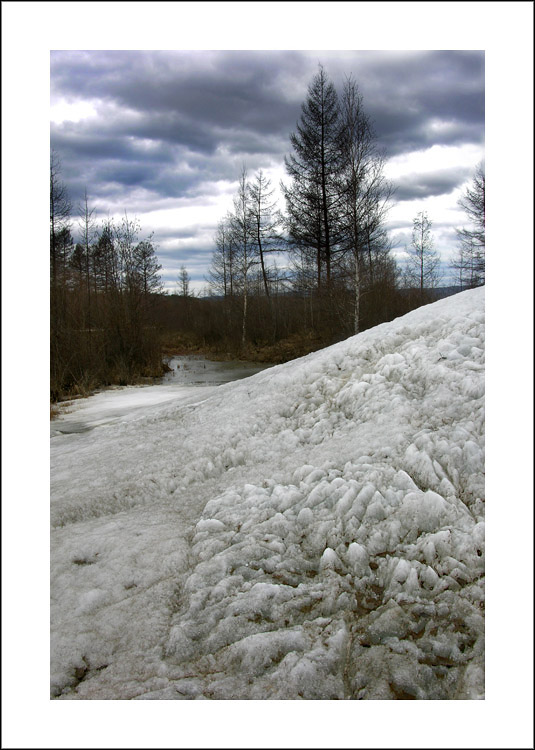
111,322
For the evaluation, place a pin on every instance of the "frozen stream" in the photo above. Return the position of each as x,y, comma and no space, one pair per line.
191,380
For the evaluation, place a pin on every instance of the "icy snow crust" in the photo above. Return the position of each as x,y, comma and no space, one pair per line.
315,531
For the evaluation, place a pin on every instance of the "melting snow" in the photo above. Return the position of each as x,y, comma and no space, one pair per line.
315,531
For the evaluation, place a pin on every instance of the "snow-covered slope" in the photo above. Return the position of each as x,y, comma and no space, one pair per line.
315,531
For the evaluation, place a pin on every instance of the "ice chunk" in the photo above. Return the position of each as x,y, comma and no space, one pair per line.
358,559
428,509
330,559
305,517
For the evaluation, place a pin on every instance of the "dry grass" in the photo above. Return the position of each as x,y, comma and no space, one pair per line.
297,345
59,408
283,351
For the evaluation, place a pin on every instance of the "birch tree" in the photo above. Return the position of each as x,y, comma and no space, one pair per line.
242,236
365,190
265,222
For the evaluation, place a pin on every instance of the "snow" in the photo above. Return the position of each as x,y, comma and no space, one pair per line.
313,532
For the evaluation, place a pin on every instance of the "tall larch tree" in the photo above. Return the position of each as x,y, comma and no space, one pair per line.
471,258
312,199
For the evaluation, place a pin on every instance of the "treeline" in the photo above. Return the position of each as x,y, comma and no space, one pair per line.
281,282
102,301
278,329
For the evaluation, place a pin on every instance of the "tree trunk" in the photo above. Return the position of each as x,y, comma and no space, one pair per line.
356,300
244,321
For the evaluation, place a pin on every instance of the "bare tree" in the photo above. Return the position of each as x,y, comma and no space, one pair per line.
183,282
105,258
87,229
60,212
147,267
423,264
312,200
126,234
221,274
242,235
470,261
265,221
365,191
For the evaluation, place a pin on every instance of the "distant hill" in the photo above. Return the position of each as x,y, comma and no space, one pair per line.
437,293
444,291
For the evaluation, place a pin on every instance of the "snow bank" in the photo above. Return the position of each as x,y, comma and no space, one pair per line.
313,532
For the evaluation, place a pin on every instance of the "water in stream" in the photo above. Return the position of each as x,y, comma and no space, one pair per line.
197,370
191,379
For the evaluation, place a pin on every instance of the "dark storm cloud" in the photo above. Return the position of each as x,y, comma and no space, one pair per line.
250,101
188,98
417,186
176,255
410,94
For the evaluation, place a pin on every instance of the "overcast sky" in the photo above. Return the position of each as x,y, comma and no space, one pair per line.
163,134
